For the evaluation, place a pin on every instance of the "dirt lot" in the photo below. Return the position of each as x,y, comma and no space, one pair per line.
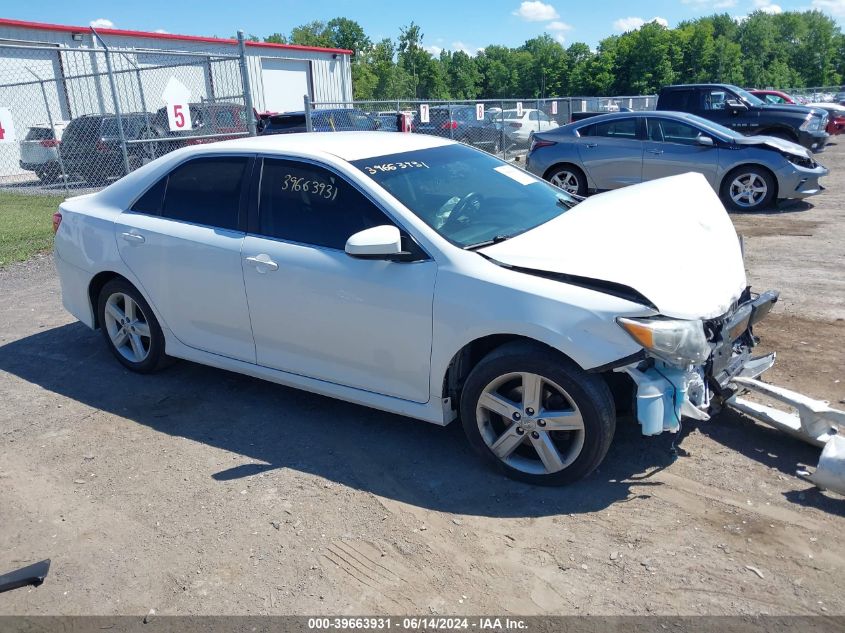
196,491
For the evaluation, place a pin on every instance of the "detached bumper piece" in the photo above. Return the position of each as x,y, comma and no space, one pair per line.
31,575
814,422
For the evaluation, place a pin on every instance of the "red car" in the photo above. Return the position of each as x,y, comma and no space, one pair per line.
835,116
773,96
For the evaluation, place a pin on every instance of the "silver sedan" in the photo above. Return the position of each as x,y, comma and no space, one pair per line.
623,148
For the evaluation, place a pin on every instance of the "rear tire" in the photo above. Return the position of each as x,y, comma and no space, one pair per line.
569,178
130,328
536,416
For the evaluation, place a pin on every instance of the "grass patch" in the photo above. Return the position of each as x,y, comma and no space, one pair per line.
26,225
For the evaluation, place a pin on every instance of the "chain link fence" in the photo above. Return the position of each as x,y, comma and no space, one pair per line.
72,119
819,94
503,127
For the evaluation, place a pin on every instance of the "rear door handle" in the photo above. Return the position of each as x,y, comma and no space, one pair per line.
262,263
133,238
591,145
656,152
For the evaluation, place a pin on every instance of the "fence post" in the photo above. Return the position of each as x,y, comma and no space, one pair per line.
250,110
502,129
50,121
309,124
116,99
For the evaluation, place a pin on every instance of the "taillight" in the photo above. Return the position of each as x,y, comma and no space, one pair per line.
515,124
537,143
49,142
57,220
449,125
101,146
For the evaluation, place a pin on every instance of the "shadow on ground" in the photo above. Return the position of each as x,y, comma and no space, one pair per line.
277,427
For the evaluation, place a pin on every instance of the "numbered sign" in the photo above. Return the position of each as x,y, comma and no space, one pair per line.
7,126
479,111
177,99
179,117
519,109
424,113
554,107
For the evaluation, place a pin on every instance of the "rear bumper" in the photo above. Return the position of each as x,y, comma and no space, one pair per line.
74,284
30,166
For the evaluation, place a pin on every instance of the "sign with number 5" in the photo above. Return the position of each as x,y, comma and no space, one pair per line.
177,97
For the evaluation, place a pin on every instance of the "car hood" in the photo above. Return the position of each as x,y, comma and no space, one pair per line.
795,108
779,144
670,240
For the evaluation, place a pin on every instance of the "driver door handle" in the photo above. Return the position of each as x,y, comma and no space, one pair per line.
591,145
133,238
656,152
262,263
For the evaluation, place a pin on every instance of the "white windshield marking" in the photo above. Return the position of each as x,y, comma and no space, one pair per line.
517,175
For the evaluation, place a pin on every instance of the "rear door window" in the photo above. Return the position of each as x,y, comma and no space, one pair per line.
203,191
616,128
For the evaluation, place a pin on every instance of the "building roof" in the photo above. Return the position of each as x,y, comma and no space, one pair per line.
64,28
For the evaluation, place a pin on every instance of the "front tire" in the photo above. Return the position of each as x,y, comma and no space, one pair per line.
130,328
535,416
748,188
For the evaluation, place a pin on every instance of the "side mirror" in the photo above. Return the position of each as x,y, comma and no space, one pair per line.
378,242
736,106
705,141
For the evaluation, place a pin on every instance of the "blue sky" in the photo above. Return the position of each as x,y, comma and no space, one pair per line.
450,24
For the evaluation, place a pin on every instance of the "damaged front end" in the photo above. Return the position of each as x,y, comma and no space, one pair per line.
689,365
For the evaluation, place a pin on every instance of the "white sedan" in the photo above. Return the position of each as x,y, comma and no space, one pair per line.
423,277
519,127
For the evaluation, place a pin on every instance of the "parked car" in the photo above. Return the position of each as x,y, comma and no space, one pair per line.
323,120
91,148
774,97
836,116
218,121
518,129
741,111
615,150
40,150
393,121
459,122
426,278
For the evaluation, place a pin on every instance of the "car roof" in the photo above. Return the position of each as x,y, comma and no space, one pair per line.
348,146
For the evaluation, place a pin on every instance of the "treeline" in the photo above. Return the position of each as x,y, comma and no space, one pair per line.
791,49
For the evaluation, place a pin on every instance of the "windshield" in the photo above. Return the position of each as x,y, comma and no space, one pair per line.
747,96
466,195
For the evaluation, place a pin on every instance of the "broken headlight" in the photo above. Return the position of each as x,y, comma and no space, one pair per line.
801,161
677,342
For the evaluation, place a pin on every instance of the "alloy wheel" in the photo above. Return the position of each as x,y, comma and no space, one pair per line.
566,180
748,190
530,423
128,327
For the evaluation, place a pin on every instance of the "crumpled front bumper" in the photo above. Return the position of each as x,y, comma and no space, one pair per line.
665,394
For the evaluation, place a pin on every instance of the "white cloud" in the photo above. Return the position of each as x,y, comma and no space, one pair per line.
102,23
162,31
434,50
710,4
558,26
833,7
460,46
536,11
766,6
623,25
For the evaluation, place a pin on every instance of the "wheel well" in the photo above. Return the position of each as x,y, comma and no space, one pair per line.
745,166
780,131
573,166
94,288
470,355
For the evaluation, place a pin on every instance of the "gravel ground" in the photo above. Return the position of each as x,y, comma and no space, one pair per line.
197,491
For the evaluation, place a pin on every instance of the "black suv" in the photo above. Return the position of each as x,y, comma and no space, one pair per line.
90,147
739,110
